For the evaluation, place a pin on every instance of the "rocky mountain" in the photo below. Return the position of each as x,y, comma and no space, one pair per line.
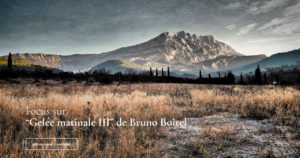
174,48
182,52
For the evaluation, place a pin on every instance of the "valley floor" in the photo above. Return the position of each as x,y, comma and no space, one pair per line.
222,120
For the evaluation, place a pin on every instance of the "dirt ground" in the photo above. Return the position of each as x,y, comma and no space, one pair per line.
228,135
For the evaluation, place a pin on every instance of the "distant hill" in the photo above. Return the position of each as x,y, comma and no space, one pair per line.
276,60
114,66
21,62
225,62
17,62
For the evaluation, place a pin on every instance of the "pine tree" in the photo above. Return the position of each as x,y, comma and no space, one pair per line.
168,72
230,78
156,72
209,76
162,72
257,75
9,62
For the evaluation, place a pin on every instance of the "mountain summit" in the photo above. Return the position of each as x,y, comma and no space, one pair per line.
181,47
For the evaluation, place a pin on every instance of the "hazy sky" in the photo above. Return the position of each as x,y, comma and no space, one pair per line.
96,26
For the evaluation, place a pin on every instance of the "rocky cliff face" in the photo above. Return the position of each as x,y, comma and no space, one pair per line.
186,48
40,59
175,48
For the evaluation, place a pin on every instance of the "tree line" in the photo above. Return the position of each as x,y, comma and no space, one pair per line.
42,74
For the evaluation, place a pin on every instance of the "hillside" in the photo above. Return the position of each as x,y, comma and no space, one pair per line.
276,60
114,66
17,62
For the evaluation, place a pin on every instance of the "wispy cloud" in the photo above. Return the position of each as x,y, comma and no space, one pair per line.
287,24
265,6
272,23
234,5
230,27
292,10
246,29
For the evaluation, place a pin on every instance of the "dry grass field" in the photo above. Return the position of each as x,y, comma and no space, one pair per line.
223,120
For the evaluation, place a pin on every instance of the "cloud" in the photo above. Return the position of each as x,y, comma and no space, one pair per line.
235,5
292,10
286,29
246,29
288,24
265,6
281,26
230,27
272,23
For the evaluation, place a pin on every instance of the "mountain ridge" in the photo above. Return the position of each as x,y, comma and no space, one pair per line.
180,50
275,60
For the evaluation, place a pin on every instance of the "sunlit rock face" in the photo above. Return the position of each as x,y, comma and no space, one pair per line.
188,48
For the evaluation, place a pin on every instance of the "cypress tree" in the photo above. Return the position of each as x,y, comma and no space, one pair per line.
162,72
200,74
156,72
9,62
257,75
168,72
151,73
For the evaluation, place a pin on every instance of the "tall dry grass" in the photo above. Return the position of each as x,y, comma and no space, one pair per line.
254,102
110,141
140,101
